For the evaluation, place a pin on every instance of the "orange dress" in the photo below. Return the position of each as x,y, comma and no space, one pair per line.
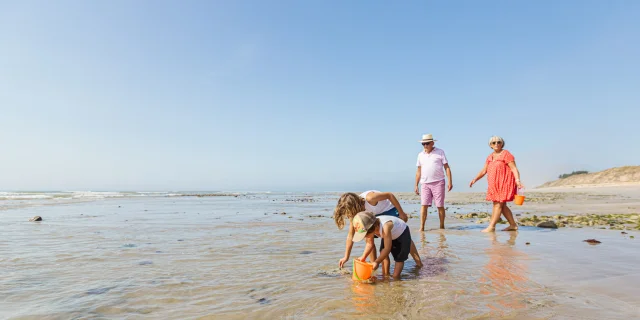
502,183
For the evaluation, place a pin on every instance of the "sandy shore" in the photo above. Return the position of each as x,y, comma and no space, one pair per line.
602,200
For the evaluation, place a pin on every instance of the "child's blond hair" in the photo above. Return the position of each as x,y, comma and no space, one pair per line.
348,206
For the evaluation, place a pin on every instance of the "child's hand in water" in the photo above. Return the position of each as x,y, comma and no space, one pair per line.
403,216
342,262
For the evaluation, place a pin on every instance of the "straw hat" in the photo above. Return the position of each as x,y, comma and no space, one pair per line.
427,138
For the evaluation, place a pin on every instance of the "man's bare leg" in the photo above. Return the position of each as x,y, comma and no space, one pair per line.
423,216
441,214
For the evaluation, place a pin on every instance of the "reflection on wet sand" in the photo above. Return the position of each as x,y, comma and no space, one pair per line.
433,258
363,296
504,276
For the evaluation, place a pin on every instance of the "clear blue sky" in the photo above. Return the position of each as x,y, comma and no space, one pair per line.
310,95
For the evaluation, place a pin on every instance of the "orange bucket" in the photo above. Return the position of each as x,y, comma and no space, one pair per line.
519,199
361,270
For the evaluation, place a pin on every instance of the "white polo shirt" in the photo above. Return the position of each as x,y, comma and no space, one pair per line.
432,165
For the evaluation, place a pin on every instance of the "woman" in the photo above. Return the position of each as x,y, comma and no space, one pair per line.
504,180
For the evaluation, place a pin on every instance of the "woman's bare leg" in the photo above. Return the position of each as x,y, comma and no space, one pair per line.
513,226
495,216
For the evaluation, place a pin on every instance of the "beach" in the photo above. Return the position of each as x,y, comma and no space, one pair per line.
275,256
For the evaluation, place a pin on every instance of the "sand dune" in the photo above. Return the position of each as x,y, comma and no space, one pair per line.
620,176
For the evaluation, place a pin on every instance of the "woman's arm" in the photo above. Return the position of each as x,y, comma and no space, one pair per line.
480,175
516,173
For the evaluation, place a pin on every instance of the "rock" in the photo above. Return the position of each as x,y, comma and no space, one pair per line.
548,224
528,243
623,232
36,218
591,241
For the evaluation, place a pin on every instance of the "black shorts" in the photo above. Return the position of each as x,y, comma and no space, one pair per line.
400,247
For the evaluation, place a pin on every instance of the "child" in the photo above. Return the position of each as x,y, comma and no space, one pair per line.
395,239
349,204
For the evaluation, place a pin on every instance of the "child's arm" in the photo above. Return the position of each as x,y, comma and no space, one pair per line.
369,246
387,244
379,196
348,246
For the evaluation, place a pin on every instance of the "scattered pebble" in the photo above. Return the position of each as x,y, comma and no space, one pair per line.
145,263
36,218
306,252
528,243
592,241
548,224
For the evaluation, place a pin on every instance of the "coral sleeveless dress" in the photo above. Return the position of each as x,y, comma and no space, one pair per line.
502,183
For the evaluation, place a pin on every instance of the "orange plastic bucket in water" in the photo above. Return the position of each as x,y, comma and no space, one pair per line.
361,270
519,199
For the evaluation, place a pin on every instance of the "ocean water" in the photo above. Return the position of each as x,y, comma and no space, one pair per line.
275,256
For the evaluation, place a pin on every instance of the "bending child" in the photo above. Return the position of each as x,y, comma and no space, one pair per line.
395,239
349,204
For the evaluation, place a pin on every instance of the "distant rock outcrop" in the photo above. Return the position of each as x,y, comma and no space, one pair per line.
619,175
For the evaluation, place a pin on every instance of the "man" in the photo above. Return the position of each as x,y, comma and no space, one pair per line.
431,161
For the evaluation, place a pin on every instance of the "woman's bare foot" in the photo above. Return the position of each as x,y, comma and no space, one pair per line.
489,229
421,229
510,228
419,264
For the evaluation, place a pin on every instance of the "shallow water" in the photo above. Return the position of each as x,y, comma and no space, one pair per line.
228,258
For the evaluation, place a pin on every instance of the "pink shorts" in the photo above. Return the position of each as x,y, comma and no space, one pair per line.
432,191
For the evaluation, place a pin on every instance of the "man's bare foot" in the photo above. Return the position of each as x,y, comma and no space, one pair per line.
442,227
421,229
489,229
419,264
510,228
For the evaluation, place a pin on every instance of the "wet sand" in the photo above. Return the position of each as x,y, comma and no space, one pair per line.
275,257
566,200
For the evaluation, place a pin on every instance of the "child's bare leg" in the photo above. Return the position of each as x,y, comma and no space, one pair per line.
415,255
513,226
495,216
385,267
397,270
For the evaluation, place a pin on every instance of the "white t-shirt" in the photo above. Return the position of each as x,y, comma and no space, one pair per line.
380,207
398,226
432,165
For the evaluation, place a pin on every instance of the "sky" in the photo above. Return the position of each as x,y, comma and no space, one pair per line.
310,95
